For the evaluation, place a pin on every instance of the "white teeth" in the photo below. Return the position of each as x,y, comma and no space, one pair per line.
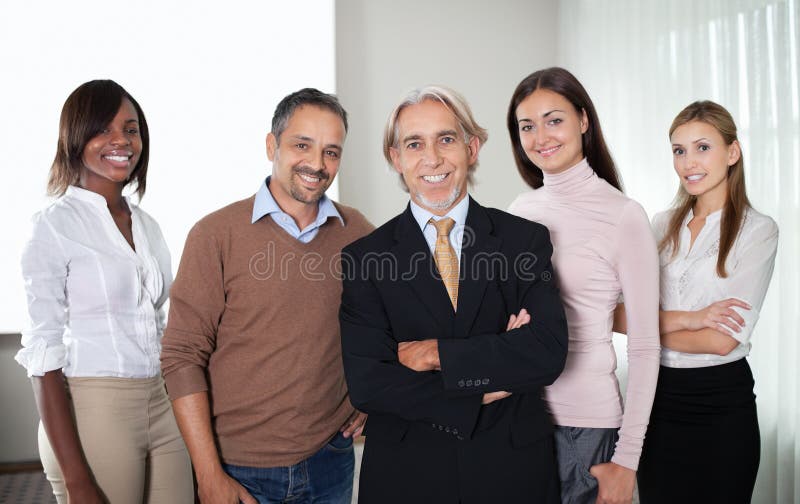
309,178
692,178
548,151
434,178
120,159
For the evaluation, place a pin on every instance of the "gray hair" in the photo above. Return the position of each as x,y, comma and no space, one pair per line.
306,96
453,101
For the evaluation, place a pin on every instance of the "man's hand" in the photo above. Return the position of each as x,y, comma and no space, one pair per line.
615,483
419,355
517,321
514,322
354,425
491,397
219,488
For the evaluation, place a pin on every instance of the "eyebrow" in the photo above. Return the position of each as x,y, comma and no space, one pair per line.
311,140
131,120
417,136
694,142
525,119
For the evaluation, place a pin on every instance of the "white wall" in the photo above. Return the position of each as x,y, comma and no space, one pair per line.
208,76
481,49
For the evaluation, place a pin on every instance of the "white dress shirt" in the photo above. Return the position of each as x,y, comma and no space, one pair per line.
94,304
689,281
459,215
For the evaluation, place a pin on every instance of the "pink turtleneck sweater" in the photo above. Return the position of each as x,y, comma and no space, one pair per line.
603,248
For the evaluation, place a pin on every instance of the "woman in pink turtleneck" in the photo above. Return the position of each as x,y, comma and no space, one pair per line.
603,250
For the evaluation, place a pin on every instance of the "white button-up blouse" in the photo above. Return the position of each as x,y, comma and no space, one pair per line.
689,280
95,305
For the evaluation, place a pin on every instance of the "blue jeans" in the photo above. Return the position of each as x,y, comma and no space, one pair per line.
324,478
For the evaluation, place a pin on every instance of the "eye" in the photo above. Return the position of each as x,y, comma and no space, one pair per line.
332,154
678,151
703,147
448,140
526,128
132,131
413,145
555,122
302,146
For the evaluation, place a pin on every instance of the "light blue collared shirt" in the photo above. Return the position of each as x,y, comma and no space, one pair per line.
458,213
265,204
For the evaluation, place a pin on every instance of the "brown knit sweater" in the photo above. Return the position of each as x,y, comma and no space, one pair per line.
253,320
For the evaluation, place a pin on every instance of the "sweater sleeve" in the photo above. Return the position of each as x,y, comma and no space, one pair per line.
637,268
197,302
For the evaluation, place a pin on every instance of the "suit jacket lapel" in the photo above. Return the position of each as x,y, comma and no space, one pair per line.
417,268
479,245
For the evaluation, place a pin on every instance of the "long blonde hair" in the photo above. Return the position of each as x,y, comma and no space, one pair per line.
736,203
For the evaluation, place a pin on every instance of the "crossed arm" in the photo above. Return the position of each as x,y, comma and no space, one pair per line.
381,372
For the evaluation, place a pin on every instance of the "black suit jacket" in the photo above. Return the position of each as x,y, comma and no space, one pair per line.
428,437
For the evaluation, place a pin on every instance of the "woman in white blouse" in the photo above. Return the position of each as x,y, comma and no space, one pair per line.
97,272
717,255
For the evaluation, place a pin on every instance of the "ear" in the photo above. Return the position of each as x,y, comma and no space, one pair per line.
474,146
395,155
734,152
584,122
272,146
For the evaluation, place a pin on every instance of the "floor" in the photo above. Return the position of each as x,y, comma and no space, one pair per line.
33,488
25,488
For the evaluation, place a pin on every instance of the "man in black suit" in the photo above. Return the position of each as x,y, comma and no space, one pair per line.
451,325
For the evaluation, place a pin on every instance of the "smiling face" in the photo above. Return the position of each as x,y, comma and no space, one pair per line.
701,159
112,154
550,131
432,155
306,158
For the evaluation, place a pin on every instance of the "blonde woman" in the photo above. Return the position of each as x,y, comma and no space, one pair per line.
717,255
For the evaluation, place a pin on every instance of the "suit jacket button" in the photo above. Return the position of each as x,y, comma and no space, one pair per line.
485,381
441,427
461,383
460,438
447,429
455,431
469,383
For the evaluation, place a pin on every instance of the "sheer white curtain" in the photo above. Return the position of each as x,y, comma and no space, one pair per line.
642,61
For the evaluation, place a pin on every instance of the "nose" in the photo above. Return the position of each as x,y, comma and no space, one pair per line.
316,159
118,137
540,136
431,156
690,162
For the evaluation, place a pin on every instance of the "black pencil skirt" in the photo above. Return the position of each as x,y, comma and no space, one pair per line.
703,444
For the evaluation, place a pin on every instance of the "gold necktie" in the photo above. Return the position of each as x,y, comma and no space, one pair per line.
445,257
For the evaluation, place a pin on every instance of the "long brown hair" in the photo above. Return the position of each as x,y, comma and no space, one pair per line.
89,109
593,144
736,202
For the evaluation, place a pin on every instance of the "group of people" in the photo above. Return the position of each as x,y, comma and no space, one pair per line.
472,346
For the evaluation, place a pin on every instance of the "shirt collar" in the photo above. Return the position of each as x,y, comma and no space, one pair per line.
265,204
92,197
458,213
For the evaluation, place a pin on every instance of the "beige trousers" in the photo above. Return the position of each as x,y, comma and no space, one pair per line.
130,440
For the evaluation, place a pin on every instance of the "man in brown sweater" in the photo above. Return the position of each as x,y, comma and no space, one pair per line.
251,354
